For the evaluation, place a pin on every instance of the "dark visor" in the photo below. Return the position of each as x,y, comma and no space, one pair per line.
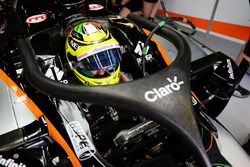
104,60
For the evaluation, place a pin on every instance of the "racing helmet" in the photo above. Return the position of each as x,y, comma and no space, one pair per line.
90,47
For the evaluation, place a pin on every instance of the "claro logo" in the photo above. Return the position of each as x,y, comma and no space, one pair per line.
158,93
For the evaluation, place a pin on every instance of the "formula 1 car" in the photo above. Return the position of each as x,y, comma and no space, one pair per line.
160,114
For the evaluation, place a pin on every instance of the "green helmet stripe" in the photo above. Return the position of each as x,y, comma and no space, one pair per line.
78,28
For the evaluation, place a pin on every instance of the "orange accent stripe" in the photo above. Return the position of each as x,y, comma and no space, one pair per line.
11,84
211,142
161,49
233,30
37,112
194,95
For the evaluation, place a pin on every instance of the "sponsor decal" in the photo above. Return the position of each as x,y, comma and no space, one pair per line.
158,93
139,128
230,69
83,147
138,48
95,7
10,162
74,45
36,18
55,73
194,101
97,50
148,57
77,35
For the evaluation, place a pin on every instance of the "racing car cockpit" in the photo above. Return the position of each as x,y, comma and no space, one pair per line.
108,94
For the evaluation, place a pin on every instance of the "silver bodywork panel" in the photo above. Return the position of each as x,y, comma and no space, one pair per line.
13,111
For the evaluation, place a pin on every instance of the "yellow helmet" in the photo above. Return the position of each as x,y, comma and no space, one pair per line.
91,47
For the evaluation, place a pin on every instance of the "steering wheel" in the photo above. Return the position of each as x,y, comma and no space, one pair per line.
163,97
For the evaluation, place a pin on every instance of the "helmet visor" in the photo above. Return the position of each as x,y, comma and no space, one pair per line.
104,60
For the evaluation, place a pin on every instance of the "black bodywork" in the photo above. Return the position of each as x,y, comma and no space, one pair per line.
35,47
